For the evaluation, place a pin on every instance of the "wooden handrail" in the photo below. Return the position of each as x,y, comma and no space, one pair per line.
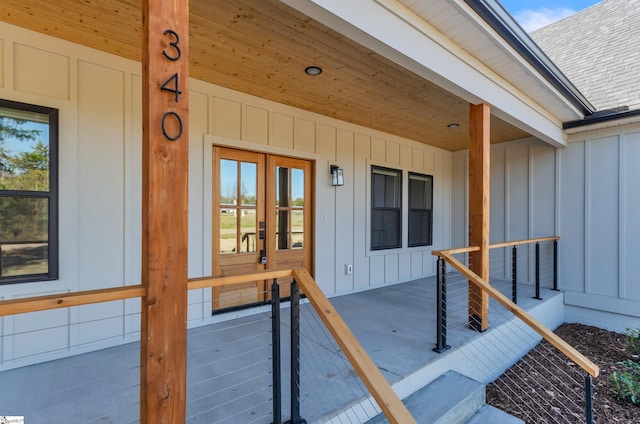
389,402
540,328
456,251
87,297
494,246
65,300
519,242
203,282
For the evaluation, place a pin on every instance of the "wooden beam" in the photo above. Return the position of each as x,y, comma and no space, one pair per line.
165,134
479,188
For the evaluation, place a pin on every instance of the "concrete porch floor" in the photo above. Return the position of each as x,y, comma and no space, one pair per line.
229,366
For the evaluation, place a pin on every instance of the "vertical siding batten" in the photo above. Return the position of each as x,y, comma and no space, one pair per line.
361,263
622,283
587,216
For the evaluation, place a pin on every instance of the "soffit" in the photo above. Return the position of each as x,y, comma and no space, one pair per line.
261,47
457,22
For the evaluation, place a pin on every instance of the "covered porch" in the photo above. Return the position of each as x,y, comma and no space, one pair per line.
388,106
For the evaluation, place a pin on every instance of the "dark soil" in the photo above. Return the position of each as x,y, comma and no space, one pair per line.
604,348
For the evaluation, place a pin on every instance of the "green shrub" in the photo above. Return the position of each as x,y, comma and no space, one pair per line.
626,384
633,340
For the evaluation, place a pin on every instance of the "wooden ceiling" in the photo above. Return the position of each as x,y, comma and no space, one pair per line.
262,47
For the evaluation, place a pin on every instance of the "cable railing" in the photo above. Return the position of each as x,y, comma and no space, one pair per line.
530,371
247,369
92,386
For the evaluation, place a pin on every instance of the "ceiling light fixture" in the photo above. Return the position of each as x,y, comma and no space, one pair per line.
453,125
313,70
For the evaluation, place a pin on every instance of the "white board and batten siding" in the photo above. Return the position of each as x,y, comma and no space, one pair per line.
587,193
599,207
99,99
523,201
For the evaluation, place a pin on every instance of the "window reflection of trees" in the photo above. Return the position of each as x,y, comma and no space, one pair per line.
24,192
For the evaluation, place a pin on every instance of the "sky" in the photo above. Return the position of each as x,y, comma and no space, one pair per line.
534,14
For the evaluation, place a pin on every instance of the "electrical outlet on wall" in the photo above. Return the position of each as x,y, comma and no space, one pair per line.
348,269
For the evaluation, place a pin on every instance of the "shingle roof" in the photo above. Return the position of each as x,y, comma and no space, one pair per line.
598,49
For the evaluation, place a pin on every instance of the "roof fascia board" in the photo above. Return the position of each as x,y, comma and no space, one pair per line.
433,57
499,19
603,121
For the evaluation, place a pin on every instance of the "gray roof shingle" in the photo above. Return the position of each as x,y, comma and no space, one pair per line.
598,49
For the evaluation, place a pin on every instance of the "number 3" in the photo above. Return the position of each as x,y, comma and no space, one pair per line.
173,44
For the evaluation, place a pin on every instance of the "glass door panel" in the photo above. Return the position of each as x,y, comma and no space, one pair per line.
238,197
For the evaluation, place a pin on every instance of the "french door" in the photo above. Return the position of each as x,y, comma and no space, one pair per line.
261,221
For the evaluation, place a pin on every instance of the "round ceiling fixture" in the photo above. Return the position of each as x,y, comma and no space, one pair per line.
313,70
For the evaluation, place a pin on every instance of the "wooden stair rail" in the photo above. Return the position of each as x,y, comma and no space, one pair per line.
568,350
389,402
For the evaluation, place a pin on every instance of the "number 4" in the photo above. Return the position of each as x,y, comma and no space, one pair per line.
171,85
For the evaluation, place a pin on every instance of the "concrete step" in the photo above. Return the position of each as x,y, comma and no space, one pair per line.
489,414
451,398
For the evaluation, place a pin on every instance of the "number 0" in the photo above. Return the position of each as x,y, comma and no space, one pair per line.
164,127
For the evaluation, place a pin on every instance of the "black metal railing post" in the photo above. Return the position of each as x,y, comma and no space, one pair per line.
588,392
275,352
441,307
514,274
555,265
537,296
295,354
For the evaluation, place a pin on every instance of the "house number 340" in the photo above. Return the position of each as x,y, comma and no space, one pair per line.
173,54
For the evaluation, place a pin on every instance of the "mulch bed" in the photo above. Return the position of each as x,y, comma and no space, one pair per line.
604,348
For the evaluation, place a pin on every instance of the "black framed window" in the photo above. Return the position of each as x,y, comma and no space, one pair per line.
28,192
420,210
386,208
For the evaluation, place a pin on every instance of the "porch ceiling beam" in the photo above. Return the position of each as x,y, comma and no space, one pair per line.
165,137
479,189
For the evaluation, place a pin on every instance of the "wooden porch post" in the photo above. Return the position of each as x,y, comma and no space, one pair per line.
164,210
479,188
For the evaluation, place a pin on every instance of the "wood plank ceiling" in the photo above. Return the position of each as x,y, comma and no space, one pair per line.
262,47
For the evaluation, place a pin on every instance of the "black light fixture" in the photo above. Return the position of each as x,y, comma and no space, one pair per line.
337,176
313,70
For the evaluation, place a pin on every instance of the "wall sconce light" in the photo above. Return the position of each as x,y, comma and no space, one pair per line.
337,176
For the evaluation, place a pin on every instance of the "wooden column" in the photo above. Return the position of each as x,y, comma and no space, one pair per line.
479,188
165,136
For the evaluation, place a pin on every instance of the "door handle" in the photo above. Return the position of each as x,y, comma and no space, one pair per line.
262,235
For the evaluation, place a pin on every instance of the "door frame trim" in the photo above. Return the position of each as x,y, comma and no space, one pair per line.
209,143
